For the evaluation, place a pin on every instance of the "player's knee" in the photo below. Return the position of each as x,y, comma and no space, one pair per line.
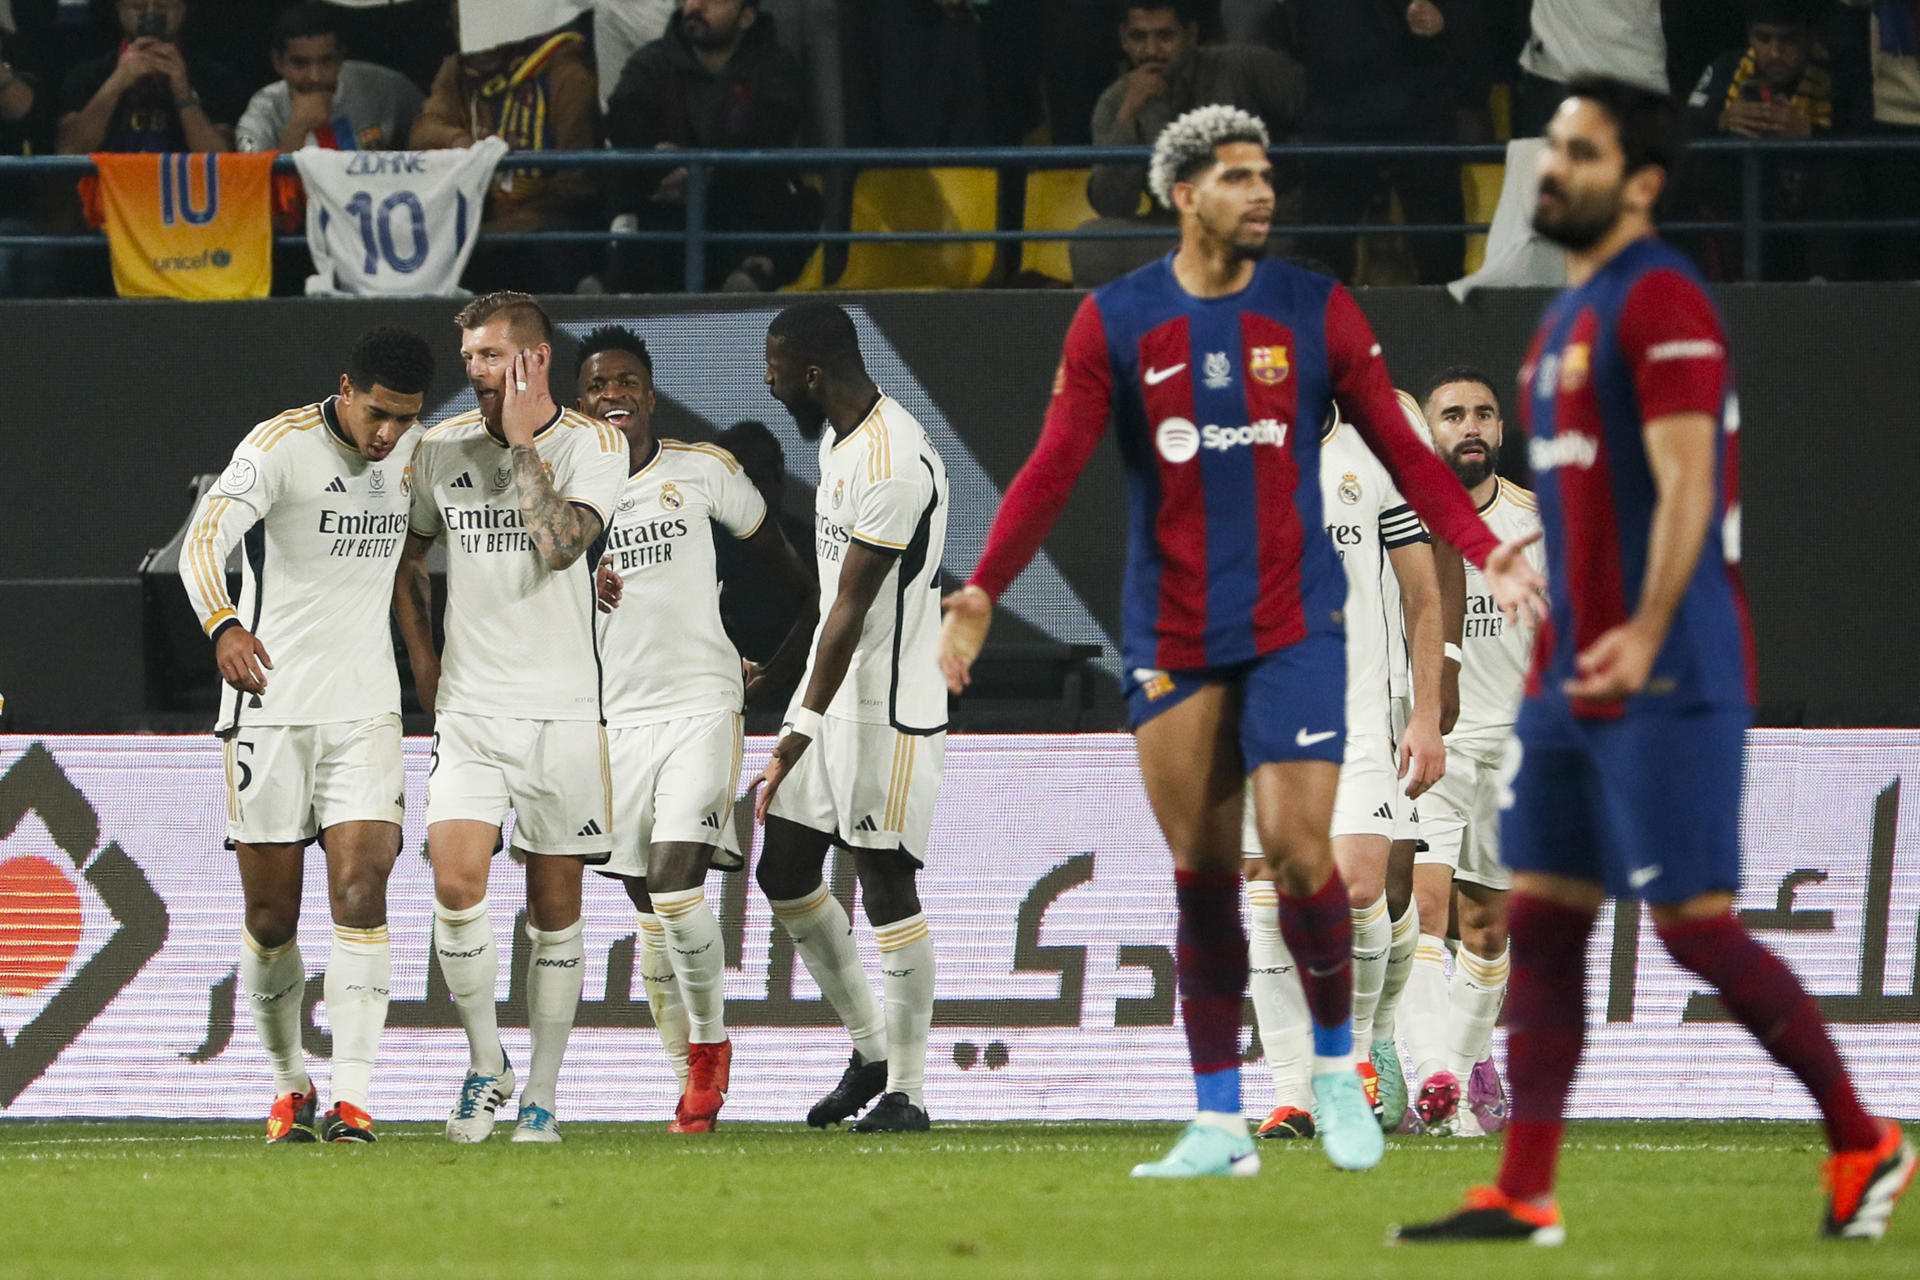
672,868
272,923
887,888
783,881
360,899
636,887
1706,906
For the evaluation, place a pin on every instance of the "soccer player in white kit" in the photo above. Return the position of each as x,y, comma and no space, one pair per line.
318,497
1449,1029
858,762
519,489
1376,534
674,691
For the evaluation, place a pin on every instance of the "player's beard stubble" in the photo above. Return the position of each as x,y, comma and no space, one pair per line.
1576,223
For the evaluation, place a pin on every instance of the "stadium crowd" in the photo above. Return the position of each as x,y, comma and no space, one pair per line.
80,76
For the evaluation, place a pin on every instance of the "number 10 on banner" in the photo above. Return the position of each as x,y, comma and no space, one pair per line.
376,230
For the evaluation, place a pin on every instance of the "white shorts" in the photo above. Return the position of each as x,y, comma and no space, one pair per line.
1406,816
1362,805
868,785
288,783
673,783
1462,823
552,775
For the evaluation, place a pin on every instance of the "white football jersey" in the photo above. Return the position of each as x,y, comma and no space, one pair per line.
394,222
322,528
1495,656
1366,518
520,637
664,652
885,486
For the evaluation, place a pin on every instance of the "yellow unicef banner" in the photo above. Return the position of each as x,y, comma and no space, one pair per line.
189,226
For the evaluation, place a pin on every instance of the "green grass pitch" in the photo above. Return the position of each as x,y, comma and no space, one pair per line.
974,1200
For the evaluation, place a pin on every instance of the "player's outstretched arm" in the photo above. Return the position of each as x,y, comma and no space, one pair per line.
862,574
1423,757
1450,568
413,611
769,542
1680,453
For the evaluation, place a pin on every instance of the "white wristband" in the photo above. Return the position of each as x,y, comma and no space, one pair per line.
803,722
1451,652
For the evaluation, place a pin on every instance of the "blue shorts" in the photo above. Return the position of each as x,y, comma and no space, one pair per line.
1648,805
1293,701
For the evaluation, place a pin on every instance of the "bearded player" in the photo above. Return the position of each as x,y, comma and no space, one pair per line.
859,760
1217,368
1642,684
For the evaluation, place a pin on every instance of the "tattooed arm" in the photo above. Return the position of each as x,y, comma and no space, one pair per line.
560,530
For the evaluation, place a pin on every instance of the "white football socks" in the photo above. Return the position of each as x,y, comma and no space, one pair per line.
823,936
1424,1010
663,994
554,973
358,983
906,976
1372,939
1279,1001
463,943
693,944
275,982
1479,987
1406,939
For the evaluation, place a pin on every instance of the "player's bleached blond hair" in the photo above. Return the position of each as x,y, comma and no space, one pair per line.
1187,146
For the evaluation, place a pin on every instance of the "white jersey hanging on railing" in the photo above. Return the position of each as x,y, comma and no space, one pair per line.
394,222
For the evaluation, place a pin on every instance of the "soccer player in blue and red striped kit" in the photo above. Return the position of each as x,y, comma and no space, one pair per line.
1642,686
1217,368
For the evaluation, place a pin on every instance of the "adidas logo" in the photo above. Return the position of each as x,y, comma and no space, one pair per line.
338,486
464,482
591,829
865,824
711,820
1384,811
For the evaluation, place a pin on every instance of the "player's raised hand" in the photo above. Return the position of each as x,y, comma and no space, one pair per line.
1616,665
524,403
1423,757
607,585
1518,588
242,660
962,633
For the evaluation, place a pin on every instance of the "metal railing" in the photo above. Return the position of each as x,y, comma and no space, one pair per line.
696,234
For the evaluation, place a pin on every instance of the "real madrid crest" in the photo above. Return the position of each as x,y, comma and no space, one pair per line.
1268,366
839,491
1350,489
406,480
670,496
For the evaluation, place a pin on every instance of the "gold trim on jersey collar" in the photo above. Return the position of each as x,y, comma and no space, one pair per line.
486,428
331,422
865,422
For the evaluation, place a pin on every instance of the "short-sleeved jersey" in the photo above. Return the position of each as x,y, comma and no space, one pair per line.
324,530
663,652
1639,341
883,484
1366,518
1494,654
520,637
1216,404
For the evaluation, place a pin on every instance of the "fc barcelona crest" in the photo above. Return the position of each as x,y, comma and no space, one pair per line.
1268,365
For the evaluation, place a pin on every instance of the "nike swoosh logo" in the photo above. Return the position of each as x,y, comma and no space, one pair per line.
1641,877
1305,739
1154,377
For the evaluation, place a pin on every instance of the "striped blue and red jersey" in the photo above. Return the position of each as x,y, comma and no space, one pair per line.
1638,342
1217,405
